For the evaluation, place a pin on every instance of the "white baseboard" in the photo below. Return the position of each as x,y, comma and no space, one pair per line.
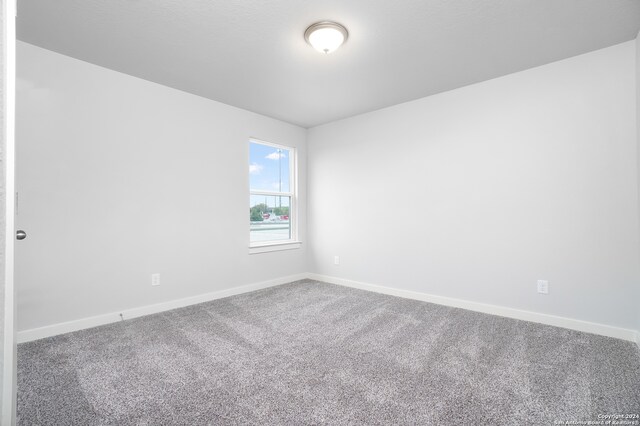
83,323
572,324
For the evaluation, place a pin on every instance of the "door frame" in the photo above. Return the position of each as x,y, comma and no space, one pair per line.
8,408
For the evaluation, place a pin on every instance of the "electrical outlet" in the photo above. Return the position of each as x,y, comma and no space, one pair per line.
336,260
155,279
543,286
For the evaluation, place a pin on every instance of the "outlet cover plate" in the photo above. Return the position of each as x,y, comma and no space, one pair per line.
543,286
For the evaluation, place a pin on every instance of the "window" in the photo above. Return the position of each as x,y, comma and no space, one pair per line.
272,196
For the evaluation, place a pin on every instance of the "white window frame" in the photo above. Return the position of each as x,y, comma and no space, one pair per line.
293,242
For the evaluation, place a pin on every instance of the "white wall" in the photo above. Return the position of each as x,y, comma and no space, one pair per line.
120,178
2,200
474,193
637,44
478,192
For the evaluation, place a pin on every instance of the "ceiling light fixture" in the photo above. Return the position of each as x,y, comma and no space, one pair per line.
326,36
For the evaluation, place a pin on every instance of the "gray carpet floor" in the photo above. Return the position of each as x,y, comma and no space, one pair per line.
316,353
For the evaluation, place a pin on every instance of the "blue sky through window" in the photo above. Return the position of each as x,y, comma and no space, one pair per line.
268,168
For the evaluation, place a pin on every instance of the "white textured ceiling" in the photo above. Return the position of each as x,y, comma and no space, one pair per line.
251,53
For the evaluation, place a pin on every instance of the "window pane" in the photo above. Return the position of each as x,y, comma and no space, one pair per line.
269,218
269,168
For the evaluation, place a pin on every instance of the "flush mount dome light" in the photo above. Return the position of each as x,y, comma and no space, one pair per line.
326,36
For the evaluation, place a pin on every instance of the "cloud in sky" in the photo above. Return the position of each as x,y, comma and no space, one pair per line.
255,168
275,155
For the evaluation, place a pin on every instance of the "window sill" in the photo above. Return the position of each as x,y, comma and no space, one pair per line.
266,248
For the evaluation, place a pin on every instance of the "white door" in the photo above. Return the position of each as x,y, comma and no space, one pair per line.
7,184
